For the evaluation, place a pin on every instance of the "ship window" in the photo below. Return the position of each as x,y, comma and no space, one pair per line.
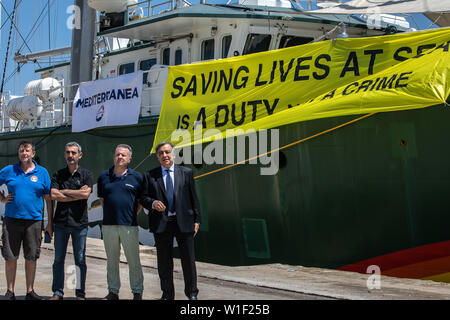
208,49
226,44
257,43
145,65
178,56
290,41
126,68
166,56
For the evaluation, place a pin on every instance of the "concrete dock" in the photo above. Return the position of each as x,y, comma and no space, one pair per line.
217,282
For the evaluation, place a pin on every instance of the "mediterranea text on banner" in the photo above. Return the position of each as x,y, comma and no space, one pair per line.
107,102
324,79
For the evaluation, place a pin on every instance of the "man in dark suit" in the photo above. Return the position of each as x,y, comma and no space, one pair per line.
174,211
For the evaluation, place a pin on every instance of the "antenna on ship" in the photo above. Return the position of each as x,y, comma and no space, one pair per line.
6,59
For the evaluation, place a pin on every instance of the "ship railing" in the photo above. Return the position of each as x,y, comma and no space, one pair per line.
150,8
53,115
58,113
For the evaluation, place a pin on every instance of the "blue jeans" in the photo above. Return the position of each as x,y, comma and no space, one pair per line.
79,252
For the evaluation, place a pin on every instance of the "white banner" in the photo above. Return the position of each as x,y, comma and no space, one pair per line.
107,102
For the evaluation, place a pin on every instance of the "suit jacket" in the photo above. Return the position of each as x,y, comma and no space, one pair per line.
187,206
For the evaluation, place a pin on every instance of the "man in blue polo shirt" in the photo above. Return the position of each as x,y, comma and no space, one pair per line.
119,190
27,184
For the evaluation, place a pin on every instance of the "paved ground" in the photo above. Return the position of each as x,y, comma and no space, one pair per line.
210,288
262,282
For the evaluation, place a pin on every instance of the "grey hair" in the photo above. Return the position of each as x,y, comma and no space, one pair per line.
74,144
125,146
162,144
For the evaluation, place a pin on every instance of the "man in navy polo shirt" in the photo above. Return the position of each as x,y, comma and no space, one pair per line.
27,184
119,190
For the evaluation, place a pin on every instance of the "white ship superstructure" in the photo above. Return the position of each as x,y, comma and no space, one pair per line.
153,35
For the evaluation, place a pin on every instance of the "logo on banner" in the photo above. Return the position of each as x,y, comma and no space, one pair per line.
100,113
34,178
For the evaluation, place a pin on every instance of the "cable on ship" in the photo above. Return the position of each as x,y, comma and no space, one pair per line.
286,146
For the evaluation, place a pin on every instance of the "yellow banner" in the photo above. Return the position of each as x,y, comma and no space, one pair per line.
318,80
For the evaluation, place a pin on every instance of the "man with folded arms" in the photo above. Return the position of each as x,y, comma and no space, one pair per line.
71,187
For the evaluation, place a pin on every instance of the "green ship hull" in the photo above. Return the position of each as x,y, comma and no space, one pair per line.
374,189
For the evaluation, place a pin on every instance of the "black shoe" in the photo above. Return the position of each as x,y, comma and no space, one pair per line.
165,298
32,296
193,297
112,296
10,296
137,296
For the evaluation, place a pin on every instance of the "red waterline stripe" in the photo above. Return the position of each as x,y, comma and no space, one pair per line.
422,269
402,258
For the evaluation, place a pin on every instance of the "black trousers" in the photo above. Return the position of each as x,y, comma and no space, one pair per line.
164,250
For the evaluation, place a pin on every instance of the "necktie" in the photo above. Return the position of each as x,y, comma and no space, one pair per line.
169,191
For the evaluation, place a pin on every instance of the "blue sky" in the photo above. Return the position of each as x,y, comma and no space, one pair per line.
37,33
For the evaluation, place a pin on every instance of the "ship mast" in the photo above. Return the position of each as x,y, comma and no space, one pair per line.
82,47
